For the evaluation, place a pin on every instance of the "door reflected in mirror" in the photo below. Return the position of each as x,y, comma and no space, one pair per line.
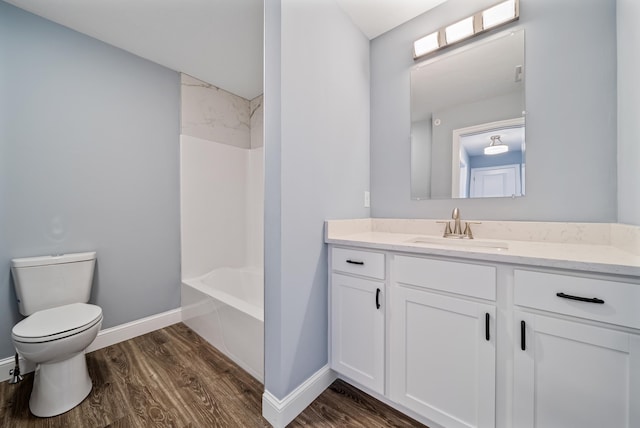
488,160
467,124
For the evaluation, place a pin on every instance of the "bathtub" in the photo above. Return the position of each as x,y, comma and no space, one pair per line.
226,308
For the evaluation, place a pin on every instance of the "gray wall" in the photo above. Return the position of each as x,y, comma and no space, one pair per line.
317,168
90,162
571,105
421,146
8,305
628,112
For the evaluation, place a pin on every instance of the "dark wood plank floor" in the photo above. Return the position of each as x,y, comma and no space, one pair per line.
174,378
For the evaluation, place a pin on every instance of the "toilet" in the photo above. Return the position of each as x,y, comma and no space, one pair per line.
53,292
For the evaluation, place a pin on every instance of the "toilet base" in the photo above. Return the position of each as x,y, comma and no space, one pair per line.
59,387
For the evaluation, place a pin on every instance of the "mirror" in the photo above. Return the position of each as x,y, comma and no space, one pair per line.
461,103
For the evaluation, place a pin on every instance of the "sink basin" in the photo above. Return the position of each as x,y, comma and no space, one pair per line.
457,242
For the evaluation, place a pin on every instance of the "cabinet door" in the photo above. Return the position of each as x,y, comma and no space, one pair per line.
442,357
568,374
357,330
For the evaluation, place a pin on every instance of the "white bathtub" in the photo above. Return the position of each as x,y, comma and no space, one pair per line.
226,308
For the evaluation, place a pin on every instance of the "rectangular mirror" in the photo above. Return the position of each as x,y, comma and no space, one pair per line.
467,121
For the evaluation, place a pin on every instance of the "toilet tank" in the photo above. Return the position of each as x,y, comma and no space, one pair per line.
49,281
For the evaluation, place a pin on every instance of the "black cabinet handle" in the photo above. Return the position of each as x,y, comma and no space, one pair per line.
378,298
523,340
486,327
355,262
580,299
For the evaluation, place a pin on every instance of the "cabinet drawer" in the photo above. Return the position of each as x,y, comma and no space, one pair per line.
460,278
365,263
607,301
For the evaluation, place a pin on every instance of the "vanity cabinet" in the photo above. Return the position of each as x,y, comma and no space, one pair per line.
358,317
469,342
570,374
442,357
569,371
443,347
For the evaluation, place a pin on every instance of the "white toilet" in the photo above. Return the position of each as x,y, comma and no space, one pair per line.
52,292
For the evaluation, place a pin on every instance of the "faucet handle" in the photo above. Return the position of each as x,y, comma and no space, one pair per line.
447,228
467,228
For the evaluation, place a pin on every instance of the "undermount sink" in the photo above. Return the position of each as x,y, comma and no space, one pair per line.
458,242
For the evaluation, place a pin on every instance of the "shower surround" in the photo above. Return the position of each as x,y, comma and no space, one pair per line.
222,195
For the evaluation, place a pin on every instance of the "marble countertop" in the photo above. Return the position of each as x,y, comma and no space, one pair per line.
592,247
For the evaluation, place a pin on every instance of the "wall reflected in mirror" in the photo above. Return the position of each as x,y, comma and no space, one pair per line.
459,101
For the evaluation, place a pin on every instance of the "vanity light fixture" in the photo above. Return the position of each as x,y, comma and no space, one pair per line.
478,23
459,31
426,44
496,148
498,14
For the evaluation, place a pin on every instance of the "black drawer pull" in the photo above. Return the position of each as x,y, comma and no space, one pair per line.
486,327
378,298
355,262
523,340
580,299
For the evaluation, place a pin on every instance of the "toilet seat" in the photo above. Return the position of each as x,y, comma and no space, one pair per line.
57,323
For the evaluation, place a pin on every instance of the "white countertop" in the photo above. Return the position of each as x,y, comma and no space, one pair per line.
602,248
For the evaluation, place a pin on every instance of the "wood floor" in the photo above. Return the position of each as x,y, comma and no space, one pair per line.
174,378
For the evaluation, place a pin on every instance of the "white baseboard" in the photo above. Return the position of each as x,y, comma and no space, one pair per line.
120,333
107,337
280,412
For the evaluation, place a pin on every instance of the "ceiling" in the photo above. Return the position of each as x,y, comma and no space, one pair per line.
218,41
375,17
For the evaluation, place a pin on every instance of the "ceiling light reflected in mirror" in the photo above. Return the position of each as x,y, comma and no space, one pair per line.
496,146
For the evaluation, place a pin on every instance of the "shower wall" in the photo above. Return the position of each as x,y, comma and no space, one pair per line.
255,187
221,184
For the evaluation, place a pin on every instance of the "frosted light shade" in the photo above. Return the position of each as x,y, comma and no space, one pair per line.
498,14
496,150
459,30
425,45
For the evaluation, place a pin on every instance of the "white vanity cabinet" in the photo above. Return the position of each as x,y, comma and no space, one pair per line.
570,372
358,316
486,337
443,347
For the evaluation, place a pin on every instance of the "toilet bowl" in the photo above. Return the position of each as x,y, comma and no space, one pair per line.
53,293
55,339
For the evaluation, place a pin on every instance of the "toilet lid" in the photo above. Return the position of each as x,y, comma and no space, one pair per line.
56,323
